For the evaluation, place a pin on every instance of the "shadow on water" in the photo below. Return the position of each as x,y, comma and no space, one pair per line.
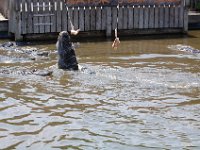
141,96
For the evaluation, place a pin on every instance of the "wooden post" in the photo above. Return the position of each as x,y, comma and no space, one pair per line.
187,3
93,19
11,16
87,19
103,19
130,17
108,22
120,17
125,19
98,18
185,24
53,16
18,30
30,17
156,24
58,16
23,17
64,18
47,17
152,17
136,18
81,19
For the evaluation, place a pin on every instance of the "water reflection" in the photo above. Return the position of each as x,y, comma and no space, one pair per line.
141,96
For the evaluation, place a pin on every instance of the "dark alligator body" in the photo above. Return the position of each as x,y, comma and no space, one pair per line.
32,52
67,57
25,72
25,53
184,48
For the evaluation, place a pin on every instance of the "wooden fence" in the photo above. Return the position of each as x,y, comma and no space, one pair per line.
52,16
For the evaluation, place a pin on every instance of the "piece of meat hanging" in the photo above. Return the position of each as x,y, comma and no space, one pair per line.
116,41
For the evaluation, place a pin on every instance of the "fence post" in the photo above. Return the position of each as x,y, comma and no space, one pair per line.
108,22
185,17
18,25
11,16
187,3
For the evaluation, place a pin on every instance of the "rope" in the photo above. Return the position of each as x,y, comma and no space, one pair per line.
72,31
116,42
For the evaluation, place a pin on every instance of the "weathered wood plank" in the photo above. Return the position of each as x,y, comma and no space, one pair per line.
58,15
181,14
109,20
185,27
47,17
41,18
103,21
87,19
161,17
93,18
18,27
141,18
81,19
98,18
12,16
35,18
64,17
176,15
130,17
75,17
166,21
70,18
120,18
151,17
172,16
136,17
114,17
23,18
30,16
146,17
53,16
157,17
125,17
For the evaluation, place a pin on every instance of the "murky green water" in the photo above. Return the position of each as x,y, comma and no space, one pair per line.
141,96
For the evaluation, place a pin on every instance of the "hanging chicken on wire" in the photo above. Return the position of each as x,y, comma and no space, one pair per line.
116,42
73,31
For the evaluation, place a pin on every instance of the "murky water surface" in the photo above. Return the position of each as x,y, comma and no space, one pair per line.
141,96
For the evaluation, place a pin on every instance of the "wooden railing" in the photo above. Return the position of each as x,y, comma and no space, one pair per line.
52,16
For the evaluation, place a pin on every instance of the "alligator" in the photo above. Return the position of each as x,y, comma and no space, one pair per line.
20,71
184,48
30,51
66,52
